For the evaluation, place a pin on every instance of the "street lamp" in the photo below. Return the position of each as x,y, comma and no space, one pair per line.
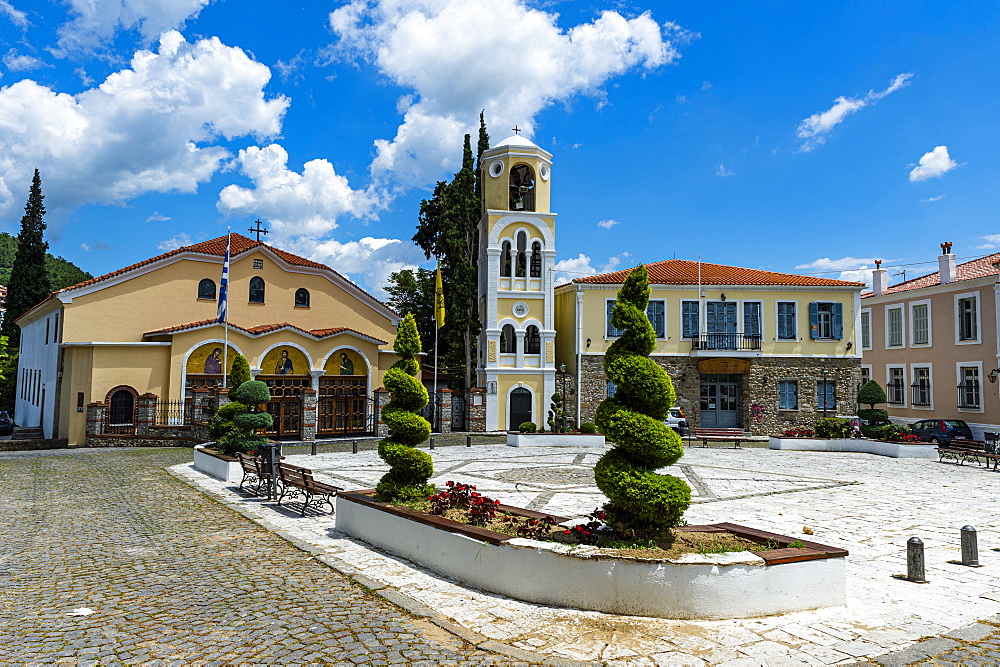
992,377
825,372
562,417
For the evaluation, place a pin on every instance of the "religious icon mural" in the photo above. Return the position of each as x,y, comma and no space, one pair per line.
346,362
284,361
208,359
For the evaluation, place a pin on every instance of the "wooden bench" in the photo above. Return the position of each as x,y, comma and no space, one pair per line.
253,473
297,481
706,435
961,451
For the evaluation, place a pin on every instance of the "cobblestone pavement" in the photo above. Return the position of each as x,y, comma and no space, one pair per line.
972,645
107,558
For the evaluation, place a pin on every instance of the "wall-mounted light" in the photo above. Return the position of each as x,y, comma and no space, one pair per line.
723,296
850,344
766,378
992,377
588,343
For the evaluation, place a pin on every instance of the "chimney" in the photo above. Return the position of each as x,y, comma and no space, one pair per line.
946,264
880,278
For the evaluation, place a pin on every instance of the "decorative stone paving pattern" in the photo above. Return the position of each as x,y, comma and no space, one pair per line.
778,491
171,575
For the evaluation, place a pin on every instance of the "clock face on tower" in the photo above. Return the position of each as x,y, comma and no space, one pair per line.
520,309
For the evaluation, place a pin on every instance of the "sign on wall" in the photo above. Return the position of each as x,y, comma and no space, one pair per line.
724,365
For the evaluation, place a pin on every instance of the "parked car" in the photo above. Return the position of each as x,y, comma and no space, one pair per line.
941,431
6,423
676,421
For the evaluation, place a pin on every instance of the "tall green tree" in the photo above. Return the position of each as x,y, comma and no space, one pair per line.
448,229
413,292
29,280
481,147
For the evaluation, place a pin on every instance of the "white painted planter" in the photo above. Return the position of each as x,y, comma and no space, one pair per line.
555,440
896,450
735,585
227,471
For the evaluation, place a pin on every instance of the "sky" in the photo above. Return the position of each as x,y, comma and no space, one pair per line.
799,137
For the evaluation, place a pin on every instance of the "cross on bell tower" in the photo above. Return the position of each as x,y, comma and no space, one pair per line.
258,230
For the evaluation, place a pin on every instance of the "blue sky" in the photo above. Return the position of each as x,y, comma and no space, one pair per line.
798,137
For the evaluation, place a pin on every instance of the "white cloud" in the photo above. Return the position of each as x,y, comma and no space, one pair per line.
706,85
607,224
295,204
100,245
371,258
156,217
580,267
992,241
855,269
181,239
17,17
149,128
512,74
813,130
96,21
933,164
937,198
723,172
16,62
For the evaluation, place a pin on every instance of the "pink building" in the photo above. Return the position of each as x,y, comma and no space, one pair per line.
933,342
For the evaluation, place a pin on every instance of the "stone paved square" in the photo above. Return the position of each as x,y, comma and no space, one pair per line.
867,504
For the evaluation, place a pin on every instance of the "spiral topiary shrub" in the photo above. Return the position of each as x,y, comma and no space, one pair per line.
410,468
245,418
641,503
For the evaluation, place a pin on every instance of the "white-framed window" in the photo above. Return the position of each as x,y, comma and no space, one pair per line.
970,388
690,319
920,323
895,385
894,326
787,328
788,395
752,320
921,387
967,324
656,312
866,329
826,320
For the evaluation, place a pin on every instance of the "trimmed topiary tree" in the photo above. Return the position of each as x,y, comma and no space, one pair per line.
239,373
870,394
245,418
410,467
641,504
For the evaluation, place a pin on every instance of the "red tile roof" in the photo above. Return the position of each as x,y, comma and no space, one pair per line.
261,329
976,268
685,272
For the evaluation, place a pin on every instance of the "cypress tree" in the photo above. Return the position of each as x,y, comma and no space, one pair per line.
29,280
481,147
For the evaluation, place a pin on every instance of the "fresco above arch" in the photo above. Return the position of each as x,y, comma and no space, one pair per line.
346,362
208,359
284,360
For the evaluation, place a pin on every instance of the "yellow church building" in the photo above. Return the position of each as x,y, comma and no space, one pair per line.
147,335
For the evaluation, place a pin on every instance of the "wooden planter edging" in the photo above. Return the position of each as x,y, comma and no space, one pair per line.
217,465
808,550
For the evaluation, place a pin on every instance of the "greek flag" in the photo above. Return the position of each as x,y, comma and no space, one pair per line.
224,288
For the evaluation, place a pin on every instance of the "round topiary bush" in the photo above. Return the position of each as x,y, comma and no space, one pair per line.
410,468
642,504
871,394
242,413
588,427
527,427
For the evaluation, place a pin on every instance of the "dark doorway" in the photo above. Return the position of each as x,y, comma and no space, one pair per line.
519,408
720,398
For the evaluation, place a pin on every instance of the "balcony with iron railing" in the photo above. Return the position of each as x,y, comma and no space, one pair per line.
731,344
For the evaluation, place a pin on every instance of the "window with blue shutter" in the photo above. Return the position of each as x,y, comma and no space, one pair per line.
814,320
689,319
786,321
838,320
751,318
788,395
655,313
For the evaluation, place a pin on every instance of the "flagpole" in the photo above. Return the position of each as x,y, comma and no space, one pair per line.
224,311
438,322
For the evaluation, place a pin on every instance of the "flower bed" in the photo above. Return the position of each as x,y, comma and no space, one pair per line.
728,585
896,450
519,439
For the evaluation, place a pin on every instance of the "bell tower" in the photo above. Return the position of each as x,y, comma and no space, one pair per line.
516,268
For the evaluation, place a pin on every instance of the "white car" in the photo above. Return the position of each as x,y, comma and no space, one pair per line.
676,421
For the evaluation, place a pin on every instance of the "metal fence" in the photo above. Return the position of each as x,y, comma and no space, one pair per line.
173,413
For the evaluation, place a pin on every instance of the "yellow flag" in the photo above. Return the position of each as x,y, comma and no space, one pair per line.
438,298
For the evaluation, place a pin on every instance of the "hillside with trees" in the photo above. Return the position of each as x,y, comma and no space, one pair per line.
62,273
